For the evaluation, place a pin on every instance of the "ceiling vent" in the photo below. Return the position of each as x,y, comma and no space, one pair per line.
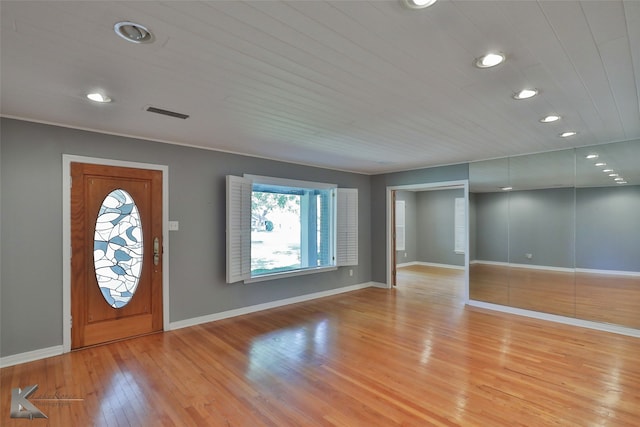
167,113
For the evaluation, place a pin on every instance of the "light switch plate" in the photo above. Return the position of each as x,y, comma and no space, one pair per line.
174,226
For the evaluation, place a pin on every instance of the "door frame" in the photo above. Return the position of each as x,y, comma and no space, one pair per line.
67,159
432,186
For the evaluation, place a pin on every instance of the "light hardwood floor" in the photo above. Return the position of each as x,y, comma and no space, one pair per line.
413,356
610,298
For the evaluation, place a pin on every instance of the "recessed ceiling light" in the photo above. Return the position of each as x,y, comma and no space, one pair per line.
98,97
591,156
490,60
599,164
506,188
525,94
550,118
621,182
618,178
418,4
613,175
568,134
607,170
132,32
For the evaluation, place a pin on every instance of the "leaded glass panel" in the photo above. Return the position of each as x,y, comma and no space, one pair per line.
117,248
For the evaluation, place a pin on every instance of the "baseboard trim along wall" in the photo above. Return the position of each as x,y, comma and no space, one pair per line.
562,269
30,356
431,264
43,353
606,327
273,304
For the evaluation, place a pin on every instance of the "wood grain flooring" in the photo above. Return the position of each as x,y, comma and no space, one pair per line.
606,298
411,356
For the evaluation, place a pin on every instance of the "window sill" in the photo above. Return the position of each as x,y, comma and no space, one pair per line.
292,273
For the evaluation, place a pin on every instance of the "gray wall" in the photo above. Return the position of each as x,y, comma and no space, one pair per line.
491,237
512,224
608,224
379,184
410,252
435,227
472,227
31,219
541,223
591,228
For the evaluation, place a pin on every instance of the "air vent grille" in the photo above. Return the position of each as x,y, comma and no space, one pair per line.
167,113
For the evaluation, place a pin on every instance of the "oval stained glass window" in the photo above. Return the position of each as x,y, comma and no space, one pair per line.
117,248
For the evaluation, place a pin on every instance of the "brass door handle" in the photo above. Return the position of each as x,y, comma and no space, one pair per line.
156,251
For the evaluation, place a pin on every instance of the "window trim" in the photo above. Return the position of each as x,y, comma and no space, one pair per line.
238,233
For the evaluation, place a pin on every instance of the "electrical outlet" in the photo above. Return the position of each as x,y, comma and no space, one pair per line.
351,272
528,256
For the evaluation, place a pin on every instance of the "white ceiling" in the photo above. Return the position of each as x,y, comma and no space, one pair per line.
364,86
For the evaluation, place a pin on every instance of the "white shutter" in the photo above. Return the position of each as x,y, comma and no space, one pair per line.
238,229
400,227
347,226
460,229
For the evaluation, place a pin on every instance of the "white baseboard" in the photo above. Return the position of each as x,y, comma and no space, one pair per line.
273,304
407,264
30,356
498,263
606,327
431,264
561,269
379,285
609,272
528,266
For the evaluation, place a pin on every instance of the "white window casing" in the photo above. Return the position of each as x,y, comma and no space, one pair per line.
238,228
347,227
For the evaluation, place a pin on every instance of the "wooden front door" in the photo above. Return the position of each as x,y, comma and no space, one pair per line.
116,253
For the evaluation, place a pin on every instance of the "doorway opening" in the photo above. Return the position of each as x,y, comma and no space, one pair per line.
429,246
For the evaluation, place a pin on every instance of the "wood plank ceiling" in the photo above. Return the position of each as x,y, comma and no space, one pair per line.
364,86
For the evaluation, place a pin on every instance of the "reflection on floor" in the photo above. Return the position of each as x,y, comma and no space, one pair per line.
413,355
438,284
602,298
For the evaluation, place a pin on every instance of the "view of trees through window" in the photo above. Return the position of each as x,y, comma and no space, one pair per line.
291,228
275,232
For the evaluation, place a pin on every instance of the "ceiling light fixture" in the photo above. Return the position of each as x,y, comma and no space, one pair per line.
506,188
550,118
418,4
613,175
98,97
525,94
132,32
607,170
599,164
568,134
591,156
618,178
490,60
621,182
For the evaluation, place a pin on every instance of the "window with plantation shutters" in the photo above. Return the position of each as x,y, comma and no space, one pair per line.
279,227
